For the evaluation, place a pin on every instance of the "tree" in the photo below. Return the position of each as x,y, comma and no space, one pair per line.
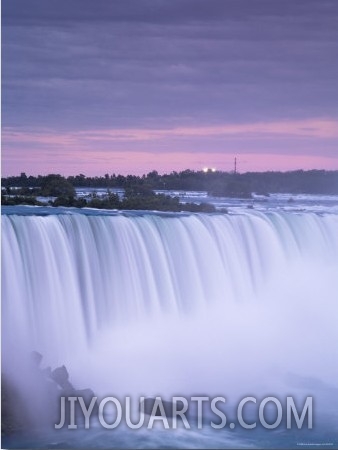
56,186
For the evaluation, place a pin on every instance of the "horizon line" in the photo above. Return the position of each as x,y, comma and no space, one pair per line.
208,171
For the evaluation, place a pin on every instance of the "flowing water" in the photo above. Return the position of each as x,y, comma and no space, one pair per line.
165,304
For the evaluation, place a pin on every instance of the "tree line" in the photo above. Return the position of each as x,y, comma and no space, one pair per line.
215,183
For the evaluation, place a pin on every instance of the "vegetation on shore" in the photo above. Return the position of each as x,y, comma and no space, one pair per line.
136,197
139,190
216,183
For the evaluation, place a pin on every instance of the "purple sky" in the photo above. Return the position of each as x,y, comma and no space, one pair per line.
126,86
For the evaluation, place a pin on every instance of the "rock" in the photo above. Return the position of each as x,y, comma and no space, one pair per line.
13,410
61,377
35,401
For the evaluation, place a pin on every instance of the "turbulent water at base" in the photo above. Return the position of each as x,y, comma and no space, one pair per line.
230,305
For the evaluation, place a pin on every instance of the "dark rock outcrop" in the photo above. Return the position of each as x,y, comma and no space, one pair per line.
34,402
61,377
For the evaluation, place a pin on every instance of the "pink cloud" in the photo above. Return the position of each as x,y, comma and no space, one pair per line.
98,163
284,145
316,128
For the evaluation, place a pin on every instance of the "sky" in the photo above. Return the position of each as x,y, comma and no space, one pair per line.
130,86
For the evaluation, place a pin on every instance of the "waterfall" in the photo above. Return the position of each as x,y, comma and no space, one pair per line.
173,302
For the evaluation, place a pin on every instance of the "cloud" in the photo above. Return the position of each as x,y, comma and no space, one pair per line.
323,129
99,163
285,139
164,77
103,63
161,11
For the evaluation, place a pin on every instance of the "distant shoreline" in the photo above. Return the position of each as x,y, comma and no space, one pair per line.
216,183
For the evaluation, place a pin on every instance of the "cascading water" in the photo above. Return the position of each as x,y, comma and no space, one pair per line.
166,304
